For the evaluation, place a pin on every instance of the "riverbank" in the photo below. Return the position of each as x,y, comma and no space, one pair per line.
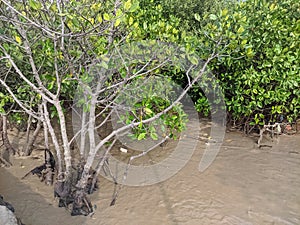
244,185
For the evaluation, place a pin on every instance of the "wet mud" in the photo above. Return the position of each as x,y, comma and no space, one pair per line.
244,185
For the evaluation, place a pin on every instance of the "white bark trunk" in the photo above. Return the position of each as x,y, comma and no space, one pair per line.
46,137
64,136
92,143
53,136
83,134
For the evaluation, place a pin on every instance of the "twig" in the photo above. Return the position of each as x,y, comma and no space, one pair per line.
272,131
8,164
128,165
102,162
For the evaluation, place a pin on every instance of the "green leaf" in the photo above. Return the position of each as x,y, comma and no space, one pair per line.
18,39
224,12
117,23
99,18
213,17
134,7
119,12
154,136
197,17
106,16
240,30
127,5
259,104
148,111
130,21
141,136
194,60
244,42
36,5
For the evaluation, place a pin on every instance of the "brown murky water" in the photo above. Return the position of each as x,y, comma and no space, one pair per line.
244,185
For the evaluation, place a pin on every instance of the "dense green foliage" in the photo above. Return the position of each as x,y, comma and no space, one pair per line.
60,44
185,10
257,42
259,71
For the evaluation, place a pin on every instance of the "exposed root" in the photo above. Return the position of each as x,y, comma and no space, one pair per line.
81,205
74,198
5,162
62,190
46,171
274,130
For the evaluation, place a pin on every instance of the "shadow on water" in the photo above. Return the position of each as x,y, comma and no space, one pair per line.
31,207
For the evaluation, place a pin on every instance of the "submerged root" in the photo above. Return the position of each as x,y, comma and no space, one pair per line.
62,190
72,197
81,204
46,171
76,201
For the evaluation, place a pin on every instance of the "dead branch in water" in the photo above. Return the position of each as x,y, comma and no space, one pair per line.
113,202
5,162
46,171
273,129
101,165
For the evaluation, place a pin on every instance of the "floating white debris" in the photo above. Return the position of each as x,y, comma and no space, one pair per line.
124,150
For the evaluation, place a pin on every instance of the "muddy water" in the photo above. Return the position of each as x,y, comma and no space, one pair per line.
244,185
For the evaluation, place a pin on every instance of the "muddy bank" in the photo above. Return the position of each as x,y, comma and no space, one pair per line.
244,185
